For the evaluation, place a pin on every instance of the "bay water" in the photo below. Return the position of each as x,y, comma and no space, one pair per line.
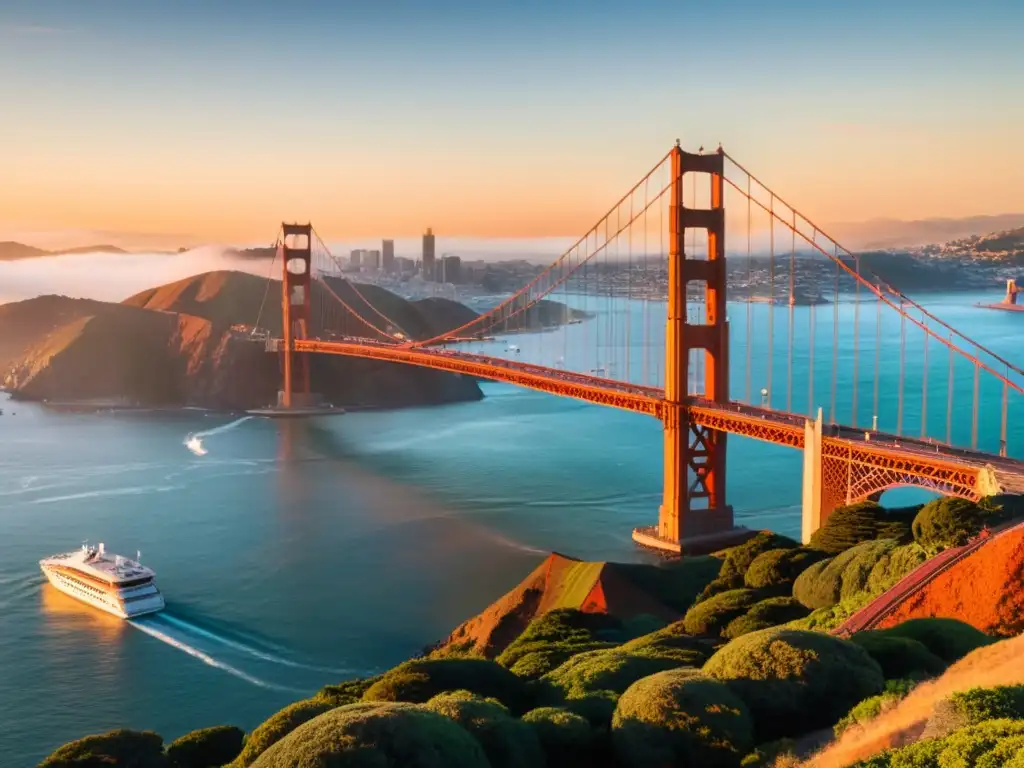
294,554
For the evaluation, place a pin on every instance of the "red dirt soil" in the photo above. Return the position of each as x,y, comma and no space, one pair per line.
984,590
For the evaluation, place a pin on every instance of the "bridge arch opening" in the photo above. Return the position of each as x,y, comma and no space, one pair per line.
906,496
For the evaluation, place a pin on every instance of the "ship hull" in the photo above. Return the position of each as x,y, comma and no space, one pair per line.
104,601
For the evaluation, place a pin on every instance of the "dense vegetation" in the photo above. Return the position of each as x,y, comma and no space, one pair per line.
745,672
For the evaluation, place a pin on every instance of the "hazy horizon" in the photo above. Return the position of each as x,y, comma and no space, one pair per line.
875,233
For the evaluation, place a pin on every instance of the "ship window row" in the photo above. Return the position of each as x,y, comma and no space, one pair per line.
138,597
80,585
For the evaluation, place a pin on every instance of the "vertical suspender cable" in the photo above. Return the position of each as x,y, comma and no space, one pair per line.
1002,427
792,304
647,300
835,339
924,388
878,348
856,338
949,396
974,409
750,326
810,363
629,288
903,355
771,293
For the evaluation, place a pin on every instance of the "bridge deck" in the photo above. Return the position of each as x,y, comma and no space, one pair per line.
924,459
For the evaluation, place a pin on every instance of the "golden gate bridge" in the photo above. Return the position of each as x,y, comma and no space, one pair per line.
672,357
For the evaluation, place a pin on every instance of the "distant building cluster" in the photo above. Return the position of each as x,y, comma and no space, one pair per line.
448,268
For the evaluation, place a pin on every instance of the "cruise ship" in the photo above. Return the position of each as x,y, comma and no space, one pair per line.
109,582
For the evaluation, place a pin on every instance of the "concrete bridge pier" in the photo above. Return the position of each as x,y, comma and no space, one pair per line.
811,519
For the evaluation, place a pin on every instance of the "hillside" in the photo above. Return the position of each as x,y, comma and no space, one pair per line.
984,590
558,582
173,345
24,323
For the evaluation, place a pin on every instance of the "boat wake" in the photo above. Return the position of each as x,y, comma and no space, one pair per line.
195,442
146,625
246,649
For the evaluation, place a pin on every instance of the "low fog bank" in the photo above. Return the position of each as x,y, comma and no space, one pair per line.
112,276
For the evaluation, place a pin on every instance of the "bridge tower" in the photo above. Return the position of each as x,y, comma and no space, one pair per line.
693,505
296,285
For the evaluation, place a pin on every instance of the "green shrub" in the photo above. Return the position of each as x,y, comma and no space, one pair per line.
795,681
597,671
895,691
382,735
711,616
780,567
963,747
671,642
419,680
827,619
811,589
507,743
556,636
679,718
923,754
827,582
948,639
864,521
536,663
1006,753
206,747
674,583
718,586
980,704
120,749
596,708
767,613
347,692
277,726
736,560
565,737
766,755
894,565
900,657
947,522
640,625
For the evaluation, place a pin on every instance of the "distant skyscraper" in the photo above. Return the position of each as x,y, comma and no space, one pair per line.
388,256
355,259
371,260
451,269
428,255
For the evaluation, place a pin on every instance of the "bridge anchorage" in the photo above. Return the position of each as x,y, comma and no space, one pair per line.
641,260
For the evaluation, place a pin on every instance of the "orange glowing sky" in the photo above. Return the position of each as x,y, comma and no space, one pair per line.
510,121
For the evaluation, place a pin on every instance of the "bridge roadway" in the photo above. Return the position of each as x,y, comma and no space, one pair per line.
735,418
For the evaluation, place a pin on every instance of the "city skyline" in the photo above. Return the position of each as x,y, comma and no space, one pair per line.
514,120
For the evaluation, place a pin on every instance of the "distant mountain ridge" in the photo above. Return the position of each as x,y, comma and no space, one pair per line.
880,234
11,251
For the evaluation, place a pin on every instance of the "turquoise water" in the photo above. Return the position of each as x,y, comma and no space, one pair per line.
298,554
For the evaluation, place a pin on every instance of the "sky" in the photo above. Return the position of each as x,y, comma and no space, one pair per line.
178,123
